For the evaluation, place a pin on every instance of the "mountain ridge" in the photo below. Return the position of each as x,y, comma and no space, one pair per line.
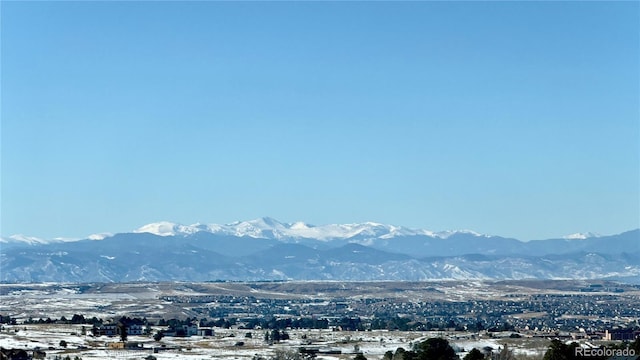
270,228
265,249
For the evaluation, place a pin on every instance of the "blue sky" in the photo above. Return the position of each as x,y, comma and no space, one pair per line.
513,118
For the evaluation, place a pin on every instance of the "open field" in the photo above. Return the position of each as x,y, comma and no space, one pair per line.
222,345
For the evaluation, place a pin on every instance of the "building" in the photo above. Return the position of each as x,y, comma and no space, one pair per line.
190,330
205,332
621,334
135,329
112,329
109,329
183,330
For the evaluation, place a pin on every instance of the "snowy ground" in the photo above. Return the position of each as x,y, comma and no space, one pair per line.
223,345
22,301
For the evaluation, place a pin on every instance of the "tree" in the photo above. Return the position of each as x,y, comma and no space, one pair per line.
359,357
77,319
63,343
399,355
435,349
123,332
275,335
158,336
506,354
555,351
474,354
560,351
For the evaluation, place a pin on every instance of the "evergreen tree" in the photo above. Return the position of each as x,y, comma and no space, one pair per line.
435,349
560,351
275,335
399,355
123,332
474,354
158,336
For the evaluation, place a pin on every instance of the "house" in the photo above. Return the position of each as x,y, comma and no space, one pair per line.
183,330
621,334
113,329
108,329
190,330
205,332
135,329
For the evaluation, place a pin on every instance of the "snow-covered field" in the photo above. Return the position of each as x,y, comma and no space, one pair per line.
109,301
224,344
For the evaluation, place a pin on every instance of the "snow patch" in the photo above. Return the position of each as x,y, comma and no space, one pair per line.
581,236
100,236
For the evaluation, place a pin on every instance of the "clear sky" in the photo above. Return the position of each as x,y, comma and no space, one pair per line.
518,119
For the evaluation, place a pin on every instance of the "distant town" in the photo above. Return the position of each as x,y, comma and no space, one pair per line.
249,320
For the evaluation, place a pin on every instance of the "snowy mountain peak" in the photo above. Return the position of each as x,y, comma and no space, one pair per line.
100,236
299,226
267,221
449,233
270,228
31,240
581,236
166,228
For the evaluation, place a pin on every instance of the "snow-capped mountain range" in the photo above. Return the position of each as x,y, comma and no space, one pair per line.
266,249
269,228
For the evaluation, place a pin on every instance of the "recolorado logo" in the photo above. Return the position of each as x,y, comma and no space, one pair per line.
604,352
